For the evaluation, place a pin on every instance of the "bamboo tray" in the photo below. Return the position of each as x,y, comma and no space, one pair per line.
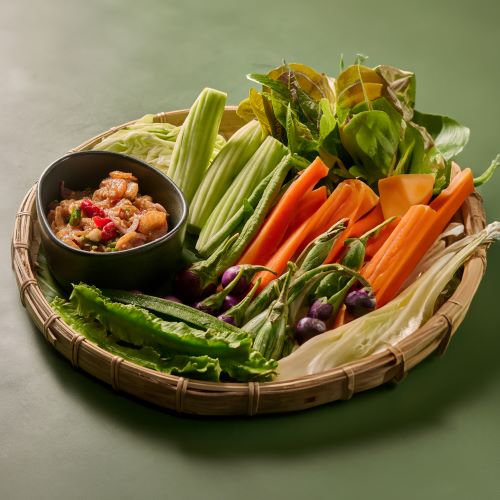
208,398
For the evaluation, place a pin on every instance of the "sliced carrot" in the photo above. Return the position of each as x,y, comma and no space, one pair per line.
400,253
341,316
305,233
399,192
450,199
369,221
376,242
365,202
369,198
274,228
307,207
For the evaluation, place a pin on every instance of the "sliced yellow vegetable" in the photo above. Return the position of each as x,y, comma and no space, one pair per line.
399,192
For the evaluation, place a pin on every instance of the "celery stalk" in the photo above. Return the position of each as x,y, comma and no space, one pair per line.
264,161
195,143
222,171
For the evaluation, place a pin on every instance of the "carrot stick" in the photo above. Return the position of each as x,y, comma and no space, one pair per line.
450,199
376,242
365,202
274,228
401,252
307,231
308,205
369,221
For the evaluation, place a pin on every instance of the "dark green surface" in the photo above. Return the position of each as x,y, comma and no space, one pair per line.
70,70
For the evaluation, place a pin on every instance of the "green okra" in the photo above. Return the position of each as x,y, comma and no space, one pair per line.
255,221
317,251
271,336
263,162
236,222
180,312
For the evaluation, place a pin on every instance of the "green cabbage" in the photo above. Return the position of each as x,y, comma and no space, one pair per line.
148,141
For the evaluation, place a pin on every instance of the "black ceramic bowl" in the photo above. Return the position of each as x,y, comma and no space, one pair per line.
137,268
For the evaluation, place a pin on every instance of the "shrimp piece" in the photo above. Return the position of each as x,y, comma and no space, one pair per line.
110,188
130,240
117,174
144,202
132,191
153,221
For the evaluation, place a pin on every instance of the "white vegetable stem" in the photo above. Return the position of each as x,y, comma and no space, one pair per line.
222,171
389,324
195,143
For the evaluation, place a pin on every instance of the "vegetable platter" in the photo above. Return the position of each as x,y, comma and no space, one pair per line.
333,245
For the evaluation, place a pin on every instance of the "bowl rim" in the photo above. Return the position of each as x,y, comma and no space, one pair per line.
42,216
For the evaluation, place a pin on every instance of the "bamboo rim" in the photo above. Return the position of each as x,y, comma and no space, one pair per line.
184,395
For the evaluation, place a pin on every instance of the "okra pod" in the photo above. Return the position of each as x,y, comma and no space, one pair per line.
255,221
257,168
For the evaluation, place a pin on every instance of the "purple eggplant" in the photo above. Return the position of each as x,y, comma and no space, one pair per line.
246,273
360,302
231,301
307,328
321,309
226,319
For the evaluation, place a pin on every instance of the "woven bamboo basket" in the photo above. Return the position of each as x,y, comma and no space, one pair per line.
207,398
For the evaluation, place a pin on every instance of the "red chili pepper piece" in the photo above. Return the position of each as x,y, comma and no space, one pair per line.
89,209
100,222
108,232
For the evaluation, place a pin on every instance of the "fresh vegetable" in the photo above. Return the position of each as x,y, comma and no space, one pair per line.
201,277
389,324
320,310
199,367
263,162
399,192
222,171
254,222
367,222
362,125
243,274
235,223
171,309
306,208
360,302
413,236
270,337
195,144
362,201
375,242
310,229
148,141
306,328
235,315
274,228
213,303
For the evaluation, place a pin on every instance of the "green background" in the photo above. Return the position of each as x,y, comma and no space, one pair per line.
72,69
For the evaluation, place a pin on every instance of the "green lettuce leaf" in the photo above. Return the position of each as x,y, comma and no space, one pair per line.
200,367
139,327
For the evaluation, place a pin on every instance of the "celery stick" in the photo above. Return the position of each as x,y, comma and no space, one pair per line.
196,140
222,171
259,166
